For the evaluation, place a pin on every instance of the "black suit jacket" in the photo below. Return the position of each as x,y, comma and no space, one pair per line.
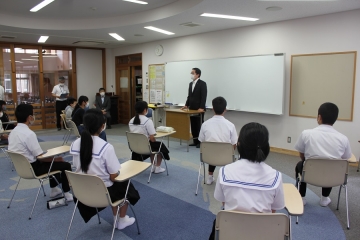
103,106
197,99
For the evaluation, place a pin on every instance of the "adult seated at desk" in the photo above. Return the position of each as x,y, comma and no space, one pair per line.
103,103
70,107
22,140
249,184
218,129
322,142
78,115
94,156
141,124
4,117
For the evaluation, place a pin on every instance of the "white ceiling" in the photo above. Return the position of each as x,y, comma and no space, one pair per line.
68,21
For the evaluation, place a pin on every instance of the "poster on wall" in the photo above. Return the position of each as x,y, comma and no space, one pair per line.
157,83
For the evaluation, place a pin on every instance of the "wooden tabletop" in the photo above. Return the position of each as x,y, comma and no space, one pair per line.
55,151
130,169
183,111
352,159
293,200
9,122
163,134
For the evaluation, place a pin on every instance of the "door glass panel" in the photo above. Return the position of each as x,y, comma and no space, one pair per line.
6,81
124,95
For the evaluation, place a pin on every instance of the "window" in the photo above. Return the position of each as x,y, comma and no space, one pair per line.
22,83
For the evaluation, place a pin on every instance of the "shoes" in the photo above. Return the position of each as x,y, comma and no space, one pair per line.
304,200
210,180
55,191
59,129
159,169
125,222
69,197
109,127
193,144
324,201
198,145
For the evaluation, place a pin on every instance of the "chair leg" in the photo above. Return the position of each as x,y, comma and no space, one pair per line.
14,193
298,187
72,218
167,171
42,186
37,195
116,218
337,208
204,171
97,212
197,186
136,219
347,207
152,167
60,188
290,231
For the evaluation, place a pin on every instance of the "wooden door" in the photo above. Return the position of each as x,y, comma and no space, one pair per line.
124,90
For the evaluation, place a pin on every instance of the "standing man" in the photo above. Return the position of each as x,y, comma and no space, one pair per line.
2,93
103,103
61,101
196,100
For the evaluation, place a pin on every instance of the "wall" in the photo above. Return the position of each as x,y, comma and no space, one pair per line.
88,73
328,33
110,71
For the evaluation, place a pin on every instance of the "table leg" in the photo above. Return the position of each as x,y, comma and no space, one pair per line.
187,145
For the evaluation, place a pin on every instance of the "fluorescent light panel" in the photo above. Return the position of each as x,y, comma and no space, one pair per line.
116,36
41,5
43,39
136,1
159,30
228,17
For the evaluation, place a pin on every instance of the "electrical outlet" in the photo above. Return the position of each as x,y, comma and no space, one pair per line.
289,140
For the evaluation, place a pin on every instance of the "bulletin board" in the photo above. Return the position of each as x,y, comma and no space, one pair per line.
319,78
156,83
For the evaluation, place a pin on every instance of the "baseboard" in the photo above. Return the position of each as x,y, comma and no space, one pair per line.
285,151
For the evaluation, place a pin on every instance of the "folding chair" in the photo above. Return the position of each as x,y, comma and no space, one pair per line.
216,154
74,128
327,173
91,191
25,170
69,129
140,144
3,149
233,225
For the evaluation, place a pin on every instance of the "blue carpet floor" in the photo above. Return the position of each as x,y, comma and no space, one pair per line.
168,208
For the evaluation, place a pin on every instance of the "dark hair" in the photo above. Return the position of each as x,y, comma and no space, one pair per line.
219,105
329,113
71,100
23,111
1,104
80,101
101,89
253,143
197,71
93,121
140,106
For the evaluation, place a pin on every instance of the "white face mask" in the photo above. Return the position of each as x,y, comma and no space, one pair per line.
32,122
102,94
192,76
61,84
87,105
1,114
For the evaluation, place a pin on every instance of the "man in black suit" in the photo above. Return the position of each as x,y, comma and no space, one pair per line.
103,103
196,100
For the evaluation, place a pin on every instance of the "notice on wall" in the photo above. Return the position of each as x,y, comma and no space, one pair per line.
146,95
157,83
152,96
159,96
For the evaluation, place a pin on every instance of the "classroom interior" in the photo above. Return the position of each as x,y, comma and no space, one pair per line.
80,49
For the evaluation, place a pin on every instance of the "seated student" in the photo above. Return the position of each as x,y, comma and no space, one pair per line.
69,109
143,125
78,115
4,117
322,142
22,140
218,129
265,194
94,156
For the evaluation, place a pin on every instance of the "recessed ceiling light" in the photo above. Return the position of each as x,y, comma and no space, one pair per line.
274,8
159,30
43,39
116,36
136,1
228,17
41,5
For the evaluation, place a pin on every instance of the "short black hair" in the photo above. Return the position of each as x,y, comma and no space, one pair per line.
2,103
101,89
23,111
329,113
197,71
71,100
219,105
253,143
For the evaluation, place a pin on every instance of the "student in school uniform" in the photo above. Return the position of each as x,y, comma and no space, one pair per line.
265,194
78,115
322,142
61,102
218,129
141,124
70,108
22,140
92,155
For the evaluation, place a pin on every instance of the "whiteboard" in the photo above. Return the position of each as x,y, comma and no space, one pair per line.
250,84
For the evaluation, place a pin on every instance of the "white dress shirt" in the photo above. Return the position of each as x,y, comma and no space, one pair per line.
145,127
24,141
58,90
218,129
2,93
323,142
193,84
104,160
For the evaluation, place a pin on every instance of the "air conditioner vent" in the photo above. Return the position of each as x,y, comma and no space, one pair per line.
87,43
7,37
191,24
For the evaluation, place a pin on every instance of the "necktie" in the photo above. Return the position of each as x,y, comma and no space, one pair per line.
102,100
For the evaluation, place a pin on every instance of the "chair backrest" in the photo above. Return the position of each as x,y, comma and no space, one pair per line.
63,117
22,165
232,225
74,128
217,153
63,111
88,189
138,143
325,172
